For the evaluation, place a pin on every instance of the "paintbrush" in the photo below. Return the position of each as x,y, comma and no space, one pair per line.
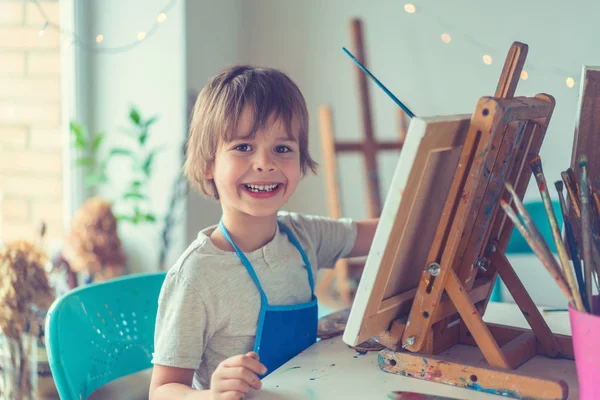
572,193
401,395
551,310
596,197
574,181
370,75
572,244
576,221
547,260
586,229
531,228
538,172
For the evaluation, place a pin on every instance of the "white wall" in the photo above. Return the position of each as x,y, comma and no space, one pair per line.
214,41
304,38
151,76
405,52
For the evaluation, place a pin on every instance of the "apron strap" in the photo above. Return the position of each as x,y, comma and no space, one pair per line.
294,241
250,269
245,262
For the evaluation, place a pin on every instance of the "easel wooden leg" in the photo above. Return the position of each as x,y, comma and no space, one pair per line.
471,318
538,325
484,379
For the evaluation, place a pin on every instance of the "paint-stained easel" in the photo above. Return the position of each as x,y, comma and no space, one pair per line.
421,326
368,148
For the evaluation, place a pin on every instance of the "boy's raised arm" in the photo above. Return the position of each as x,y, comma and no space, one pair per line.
364,237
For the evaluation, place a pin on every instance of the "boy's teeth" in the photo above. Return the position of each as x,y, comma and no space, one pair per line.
261,188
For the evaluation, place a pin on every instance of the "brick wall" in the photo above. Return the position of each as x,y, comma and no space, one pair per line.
30,117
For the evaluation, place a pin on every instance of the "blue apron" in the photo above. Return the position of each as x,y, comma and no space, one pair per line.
283,331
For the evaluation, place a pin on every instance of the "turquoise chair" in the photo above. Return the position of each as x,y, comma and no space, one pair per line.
101,332
518,245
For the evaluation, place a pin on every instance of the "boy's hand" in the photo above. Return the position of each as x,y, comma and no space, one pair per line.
234,377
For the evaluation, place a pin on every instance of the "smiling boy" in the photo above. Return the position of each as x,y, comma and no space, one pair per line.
240,300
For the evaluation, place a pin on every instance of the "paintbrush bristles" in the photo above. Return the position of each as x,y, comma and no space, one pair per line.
559,186
536,165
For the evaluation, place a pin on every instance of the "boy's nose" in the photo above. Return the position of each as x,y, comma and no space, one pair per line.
263,162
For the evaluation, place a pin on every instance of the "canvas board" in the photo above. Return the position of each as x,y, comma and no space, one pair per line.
407,226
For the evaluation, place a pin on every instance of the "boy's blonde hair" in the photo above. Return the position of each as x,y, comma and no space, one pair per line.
267,91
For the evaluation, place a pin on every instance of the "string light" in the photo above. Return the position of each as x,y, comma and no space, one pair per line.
43,30
487,50
410,8
162,16
71,38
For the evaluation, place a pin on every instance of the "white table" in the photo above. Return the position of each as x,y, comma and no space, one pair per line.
331,370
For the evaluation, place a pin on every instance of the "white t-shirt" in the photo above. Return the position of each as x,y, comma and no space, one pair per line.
208,306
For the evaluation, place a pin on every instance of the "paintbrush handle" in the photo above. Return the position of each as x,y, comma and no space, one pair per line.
560,246
571,193
533,230
576,262
390,94
401,395
548,262
586,233
572,243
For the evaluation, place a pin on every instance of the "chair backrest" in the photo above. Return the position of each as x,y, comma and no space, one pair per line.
101,332
536,209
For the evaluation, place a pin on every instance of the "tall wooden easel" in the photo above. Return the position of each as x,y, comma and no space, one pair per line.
369,148
467,253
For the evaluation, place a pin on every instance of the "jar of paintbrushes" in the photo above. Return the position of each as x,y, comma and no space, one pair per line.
577,270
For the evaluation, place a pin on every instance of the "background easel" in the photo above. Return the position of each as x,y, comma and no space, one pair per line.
345,270
587,130
460,264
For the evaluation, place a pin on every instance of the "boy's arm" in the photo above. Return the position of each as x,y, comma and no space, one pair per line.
364,237
174,383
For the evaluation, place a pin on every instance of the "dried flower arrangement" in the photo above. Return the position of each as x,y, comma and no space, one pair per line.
93,245
25,295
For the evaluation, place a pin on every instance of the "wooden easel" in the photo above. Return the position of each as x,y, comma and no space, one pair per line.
369,148
467,253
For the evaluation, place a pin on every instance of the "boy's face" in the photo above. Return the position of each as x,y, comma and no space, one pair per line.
257,176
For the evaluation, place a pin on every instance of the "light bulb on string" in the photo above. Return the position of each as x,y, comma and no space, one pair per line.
99,38
487,59
446,38
410,8
570,82
43,30
161,17
524,75
141,36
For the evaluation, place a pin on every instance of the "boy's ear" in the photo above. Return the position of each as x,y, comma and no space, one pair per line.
208,174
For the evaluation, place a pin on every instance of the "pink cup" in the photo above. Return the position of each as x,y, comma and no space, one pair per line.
585,329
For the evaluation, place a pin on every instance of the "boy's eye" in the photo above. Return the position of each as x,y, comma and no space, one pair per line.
282,149
243,147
